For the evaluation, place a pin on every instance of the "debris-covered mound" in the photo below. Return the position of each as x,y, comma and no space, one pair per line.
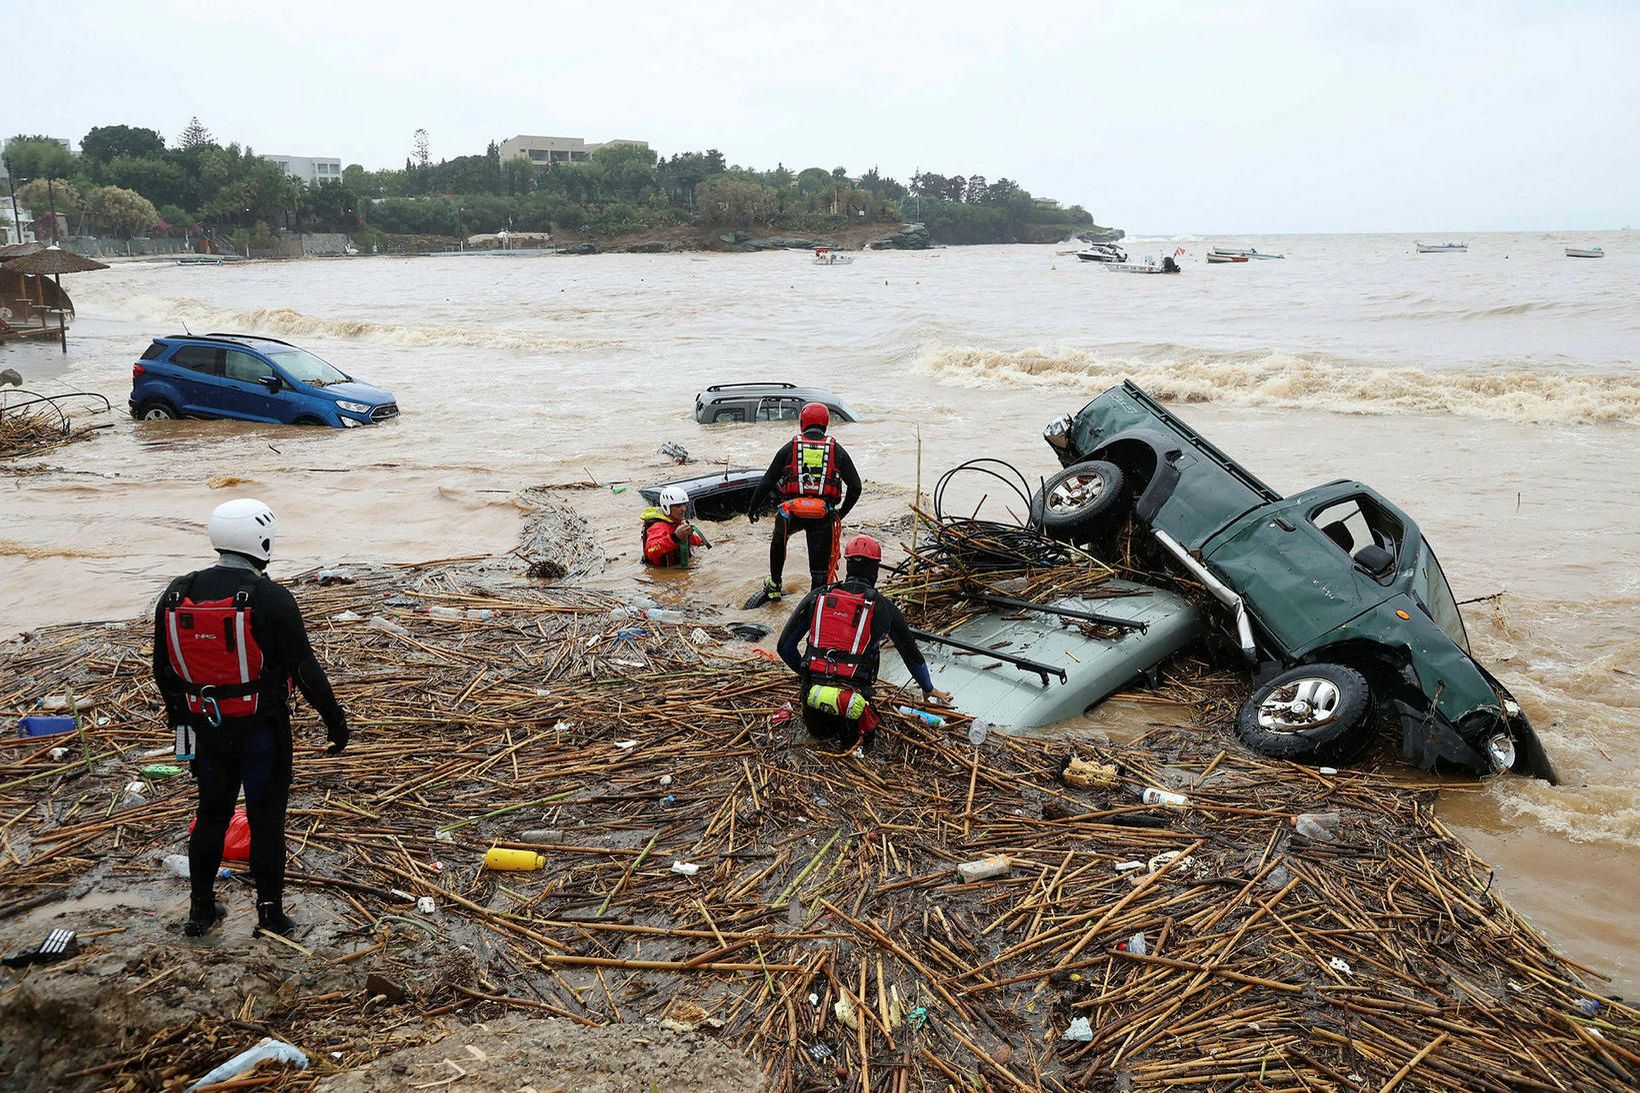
701,866
31,423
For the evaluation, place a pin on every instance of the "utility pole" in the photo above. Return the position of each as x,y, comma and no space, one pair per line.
16,218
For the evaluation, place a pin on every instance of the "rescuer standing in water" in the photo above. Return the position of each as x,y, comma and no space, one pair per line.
816,485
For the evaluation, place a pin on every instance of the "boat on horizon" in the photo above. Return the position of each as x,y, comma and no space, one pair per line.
1102,252
825,256
1250,252
1217,257
1149,265
1441,248
1585,252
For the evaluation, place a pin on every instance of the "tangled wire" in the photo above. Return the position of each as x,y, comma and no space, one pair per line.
975,544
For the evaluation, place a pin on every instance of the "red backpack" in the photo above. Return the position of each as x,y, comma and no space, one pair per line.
213,651
840,635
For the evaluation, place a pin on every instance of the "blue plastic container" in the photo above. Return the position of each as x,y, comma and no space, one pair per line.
44,726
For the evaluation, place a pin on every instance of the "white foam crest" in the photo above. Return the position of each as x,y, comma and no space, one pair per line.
1306,382
288,322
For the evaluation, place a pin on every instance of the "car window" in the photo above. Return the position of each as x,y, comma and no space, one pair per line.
1358,522
199,358
779,409
241,365
304,367
154,350
736,414
1435,596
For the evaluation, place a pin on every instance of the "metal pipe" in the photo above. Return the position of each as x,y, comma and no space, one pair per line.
1043,670
1221,592
1064,612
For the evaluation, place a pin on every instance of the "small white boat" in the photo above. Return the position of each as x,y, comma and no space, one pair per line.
1585,252
1102,252
1249,253
825,256
1217,258
1441,248
1149,265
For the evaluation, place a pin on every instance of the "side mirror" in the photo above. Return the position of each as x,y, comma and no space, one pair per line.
272,383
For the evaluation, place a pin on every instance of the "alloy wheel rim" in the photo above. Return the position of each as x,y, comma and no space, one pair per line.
1299,705
1076,492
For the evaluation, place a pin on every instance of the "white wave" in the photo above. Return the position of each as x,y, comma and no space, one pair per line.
1298,381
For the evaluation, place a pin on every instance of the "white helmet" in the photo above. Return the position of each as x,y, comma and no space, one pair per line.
244,526
673,495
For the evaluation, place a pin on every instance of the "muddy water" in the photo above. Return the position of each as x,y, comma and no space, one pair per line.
1493,394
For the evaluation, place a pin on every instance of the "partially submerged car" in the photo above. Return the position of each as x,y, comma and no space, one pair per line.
252,378
725,402
1333,595
714,495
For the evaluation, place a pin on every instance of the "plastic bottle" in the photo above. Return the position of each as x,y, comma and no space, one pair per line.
1154,796
1321,827
480,613
441,612
387,625
977,731
929,719
177,866
267,1049
661,614
501,859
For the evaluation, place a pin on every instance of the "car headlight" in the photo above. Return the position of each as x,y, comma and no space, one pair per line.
353,407
1058,432
1500,751
351,422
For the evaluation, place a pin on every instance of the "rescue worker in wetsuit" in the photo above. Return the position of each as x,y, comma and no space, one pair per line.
228,645
845,624
668,538
816,485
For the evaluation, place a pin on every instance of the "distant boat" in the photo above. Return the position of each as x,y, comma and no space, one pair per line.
1250,252
1216,257
1585,252
825,256
1102,252
1149,265
200,260
1440,248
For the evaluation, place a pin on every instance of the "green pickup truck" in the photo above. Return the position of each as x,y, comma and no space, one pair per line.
1333,595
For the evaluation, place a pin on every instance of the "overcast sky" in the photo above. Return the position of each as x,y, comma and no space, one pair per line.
1161,117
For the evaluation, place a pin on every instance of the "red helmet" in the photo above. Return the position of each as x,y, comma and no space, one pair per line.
813,414
864,546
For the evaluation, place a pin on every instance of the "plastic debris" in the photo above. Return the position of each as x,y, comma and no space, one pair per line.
819,1052
1080,1030
1183,864
845,1011
1154,796
161,770
1339,964
268,1049
426,905
669,800
700,637
1321,827
347,616
1082,773
1588,1007
387,626
977,731
685,868
814,999
58,754
677,453
666,779
1135,945
918,1017
1326,770
933,721
626,745
177,865
661,614
58,945
996,865
1129,866
542,835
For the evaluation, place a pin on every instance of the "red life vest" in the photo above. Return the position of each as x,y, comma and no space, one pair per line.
840,635
213,651
811,470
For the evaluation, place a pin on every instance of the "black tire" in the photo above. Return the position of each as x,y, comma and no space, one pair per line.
1332,725
155,409
1080,501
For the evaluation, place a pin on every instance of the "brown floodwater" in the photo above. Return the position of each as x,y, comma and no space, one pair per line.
1494,395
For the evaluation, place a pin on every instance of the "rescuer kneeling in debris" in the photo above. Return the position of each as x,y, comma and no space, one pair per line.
845,624
228,645
669,538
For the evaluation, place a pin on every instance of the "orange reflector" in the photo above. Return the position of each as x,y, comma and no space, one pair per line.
1402,614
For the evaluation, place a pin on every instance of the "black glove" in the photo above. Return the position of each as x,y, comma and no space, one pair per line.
338,736
752,516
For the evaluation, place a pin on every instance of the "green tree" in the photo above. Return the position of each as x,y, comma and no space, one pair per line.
160,181
626,171
195,136
123,212
811,180
37,157
41,196
723,201
105,142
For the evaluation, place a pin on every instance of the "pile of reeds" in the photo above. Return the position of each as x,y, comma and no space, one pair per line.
824,927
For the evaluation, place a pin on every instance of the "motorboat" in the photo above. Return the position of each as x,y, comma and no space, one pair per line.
1441,248
1249,253
1149,265
825,256
1585,252
1215,258
1102,252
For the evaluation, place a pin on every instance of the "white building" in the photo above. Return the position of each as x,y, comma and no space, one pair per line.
544,150
310,169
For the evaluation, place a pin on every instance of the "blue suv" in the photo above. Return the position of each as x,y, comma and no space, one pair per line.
253,379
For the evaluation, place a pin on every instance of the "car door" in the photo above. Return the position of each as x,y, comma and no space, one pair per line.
244,394
198,371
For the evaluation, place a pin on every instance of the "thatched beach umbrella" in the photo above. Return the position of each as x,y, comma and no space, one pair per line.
52,262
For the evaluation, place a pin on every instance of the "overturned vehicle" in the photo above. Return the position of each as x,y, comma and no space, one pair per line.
1333,595
1333,598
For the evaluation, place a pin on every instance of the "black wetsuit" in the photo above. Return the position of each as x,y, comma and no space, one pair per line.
251,751
818,532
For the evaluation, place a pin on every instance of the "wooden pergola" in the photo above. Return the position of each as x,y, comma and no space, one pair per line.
31,290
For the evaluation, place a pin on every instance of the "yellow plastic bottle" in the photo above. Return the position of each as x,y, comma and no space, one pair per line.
515,860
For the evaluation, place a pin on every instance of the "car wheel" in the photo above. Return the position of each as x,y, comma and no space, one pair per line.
156,410
1075,503
1315,713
